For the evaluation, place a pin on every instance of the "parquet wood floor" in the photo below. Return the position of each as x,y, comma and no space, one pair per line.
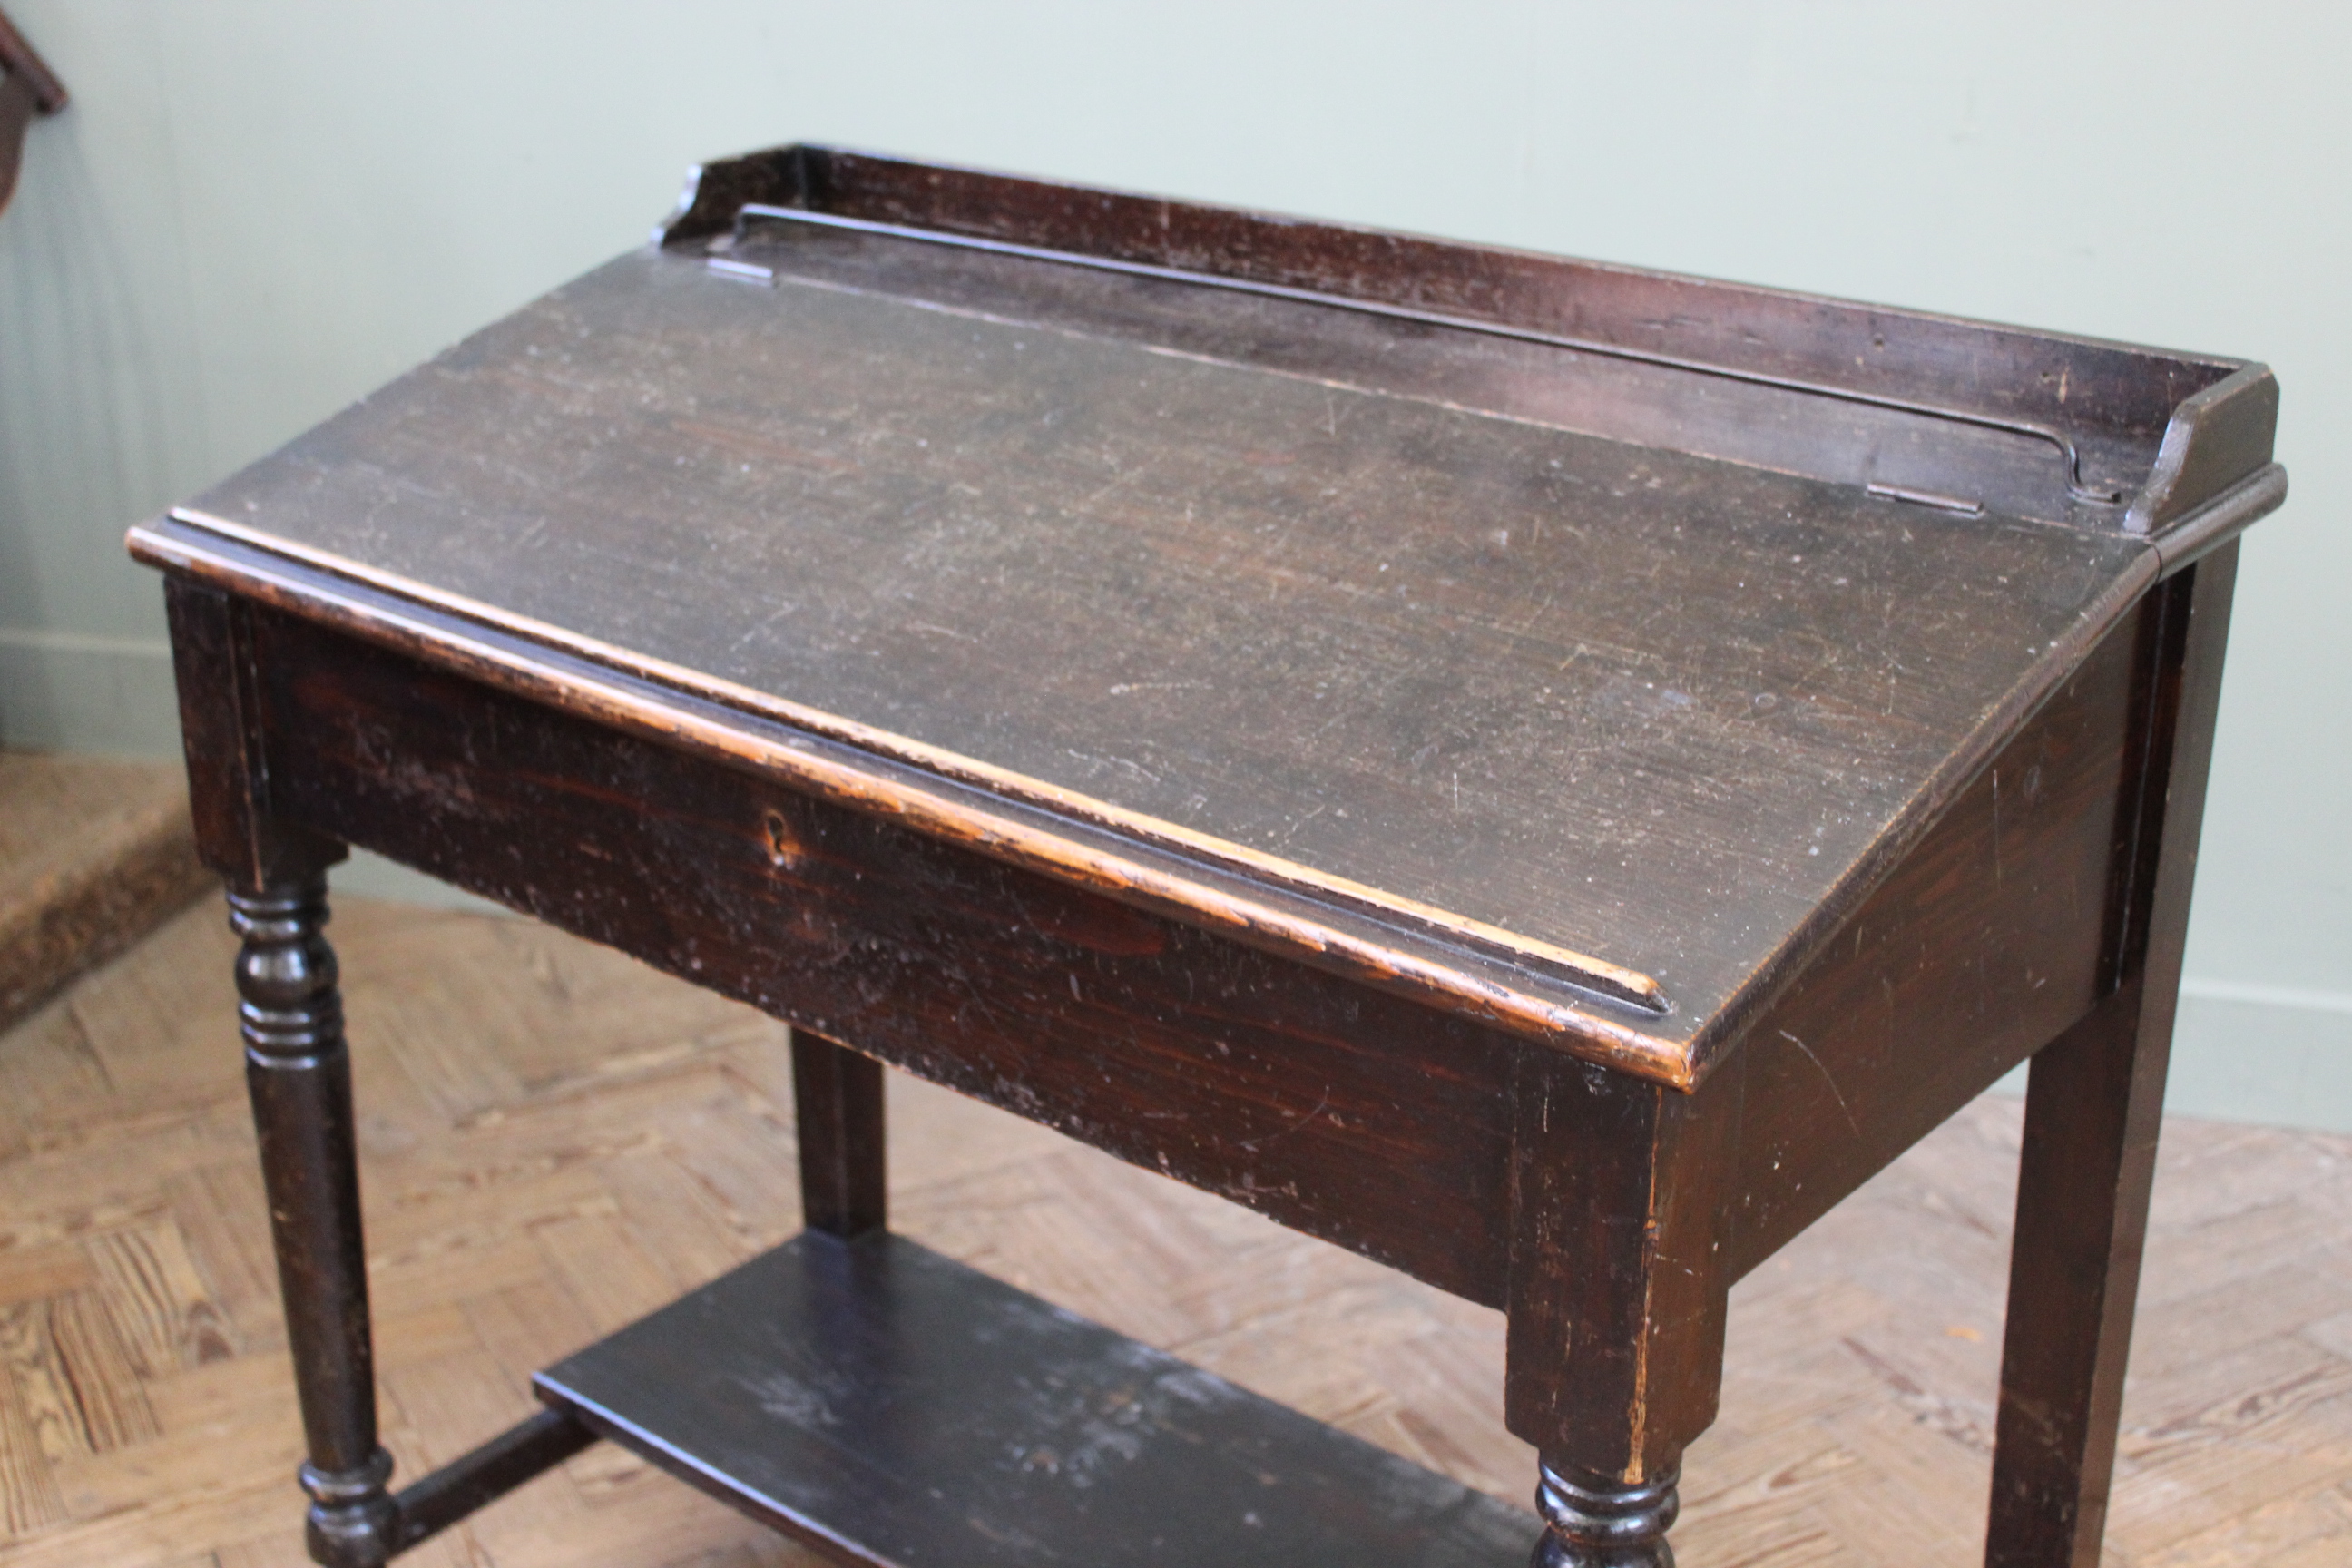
556,1140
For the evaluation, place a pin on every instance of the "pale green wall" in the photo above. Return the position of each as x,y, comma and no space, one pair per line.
257,209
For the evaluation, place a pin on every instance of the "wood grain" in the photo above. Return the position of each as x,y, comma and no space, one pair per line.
1353,1114
986,658
162,1303
2123,389
1588,701
1886,1034
868,1393
1858,1400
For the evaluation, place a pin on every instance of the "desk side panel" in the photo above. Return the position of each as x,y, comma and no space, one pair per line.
1343,1112
1985,944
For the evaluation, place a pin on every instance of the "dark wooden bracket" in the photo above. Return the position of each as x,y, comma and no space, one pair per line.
29,90
523,1451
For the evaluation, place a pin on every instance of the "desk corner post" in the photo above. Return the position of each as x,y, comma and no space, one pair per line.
218,670
298,1069
1617,1297
2095,1099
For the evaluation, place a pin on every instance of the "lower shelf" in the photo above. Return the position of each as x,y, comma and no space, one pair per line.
890,1406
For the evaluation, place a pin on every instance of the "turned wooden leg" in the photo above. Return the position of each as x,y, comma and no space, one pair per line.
837,1102
299,1074
1598,1522
2094,1102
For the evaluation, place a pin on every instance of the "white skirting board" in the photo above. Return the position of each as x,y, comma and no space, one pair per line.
2281,1058
2276,1056
60,691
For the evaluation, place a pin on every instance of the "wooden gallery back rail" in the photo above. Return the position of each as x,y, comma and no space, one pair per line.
1546,775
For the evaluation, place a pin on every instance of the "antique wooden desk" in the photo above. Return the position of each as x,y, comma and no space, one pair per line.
1544,774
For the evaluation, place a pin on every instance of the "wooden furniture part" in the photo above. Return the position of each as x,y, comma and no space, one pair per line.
29,90
1544,774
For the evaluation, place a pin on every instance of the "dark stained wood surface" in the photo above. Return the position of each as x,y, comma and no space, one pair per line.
298,1074
1626,1200
2094,1102
1348,1113
890,1406
1990,938
19,59
1059,676
837,1109
2098,392
557,1139
708,872
1618,1265
1599,638
1463,362
1583,696
28,89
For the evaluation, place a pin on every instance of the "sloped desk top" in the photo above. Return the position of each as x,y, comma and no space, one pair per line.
1555,643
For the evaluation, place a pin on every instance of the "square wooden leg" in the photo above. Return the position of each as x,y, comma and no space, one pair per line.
837,1105
2094,1104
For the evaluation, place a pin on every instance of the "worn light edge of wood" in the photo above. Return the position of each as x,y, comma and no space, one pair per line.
1681,1062
1708,1026
1639,989
944,812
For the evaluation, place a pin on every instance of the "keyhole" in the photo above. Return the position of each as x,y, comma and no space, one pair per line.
783,849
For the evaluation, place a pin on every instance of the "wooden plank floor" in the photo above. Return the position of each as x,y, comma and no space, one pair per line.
556,1141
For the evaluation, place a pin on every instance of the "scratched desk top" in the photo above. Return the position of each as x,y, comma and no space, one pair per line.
1554,656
